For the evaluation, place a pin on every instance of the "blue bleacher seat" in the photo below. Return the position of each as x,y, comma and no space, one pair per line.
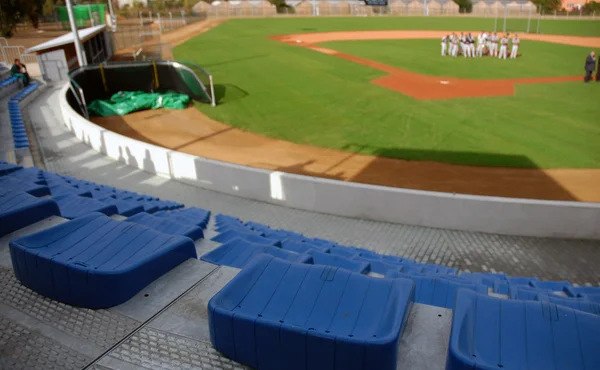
10,183
166,226
73,206
342,251
124,207
181,218
19,209
8,81
280,315
6,168
244,234
302,247
59,190
439,291
238,252
320,258
491,333
95,261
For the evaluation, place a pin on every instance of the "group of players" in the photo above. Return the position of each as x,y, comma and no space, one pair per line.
487,44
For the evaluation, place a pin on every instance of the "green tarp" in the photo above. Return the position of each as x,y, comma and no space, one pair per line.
125,102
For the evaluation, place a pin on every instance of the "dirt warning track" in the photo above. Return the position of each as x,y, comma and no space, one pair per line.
425,87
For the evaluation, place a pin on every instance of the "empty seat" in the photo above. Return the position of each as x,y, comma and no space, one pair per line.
342,251
59,190
320,258
95,261
19,209
197,214
302,247
280,315
10,183
491,333
167,226
378,265
574,303
6,168
238,252
181,218
230,235
73,206
124,207
439,291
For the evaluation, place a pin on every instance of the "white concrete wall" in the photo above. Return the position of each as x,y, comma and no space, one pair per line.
424,208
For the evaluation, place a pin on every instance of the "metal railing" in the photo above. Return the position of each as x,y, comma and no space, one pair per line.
10,53
205,80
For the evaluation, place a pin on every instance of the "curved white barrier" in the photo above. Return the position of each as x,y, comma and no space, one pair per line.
424,208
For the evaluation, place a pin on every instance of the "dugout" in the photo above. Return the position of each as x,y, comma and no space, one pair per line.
101,81
57,56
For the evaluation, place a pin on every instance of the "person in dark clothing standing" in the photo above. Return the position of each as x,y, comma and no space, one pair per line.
590,65
20,71
598,73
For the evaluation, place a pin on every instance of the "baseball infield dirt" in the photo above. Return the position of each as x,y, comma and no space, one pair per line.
192,132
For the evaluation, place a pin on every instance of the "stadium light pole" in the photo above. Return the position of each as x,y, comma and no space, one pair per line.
81,59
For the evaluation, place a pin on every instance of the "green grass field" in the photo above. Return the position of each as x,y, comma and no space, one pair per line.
299,95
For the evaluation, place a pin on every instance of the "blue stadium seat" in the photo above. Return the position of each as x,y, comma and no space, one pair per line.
245,234
6,168
439,291
10,183
19,209
320,258
238,252
73,206
280,315
166,226
491,333
200,216
124,207
95,261
181,218
8,81
59,190
302,247
574,303
339,250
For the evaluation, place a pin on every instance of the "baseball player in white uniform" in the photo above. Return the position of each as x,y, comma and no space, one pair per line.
471,46
487,37
444,45
493,50
455,46
463,41
480,44
503,47
515,46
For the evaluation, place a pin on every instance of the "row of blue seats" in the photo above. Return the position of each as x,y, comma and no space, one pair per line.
8,81
16,116
76,198
278,314
93,261
435,285
298,302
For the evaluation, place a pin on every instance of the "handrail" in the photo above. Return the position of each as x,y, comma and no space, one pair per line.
177,64
137,53
82,102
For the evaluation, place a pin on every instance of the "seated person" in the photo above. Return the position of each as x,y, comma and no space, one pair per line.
20,71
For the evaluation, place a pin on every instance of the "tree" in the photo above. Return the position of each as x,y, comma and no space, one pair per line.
464,6
548,6
48,8
10,14
591,7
